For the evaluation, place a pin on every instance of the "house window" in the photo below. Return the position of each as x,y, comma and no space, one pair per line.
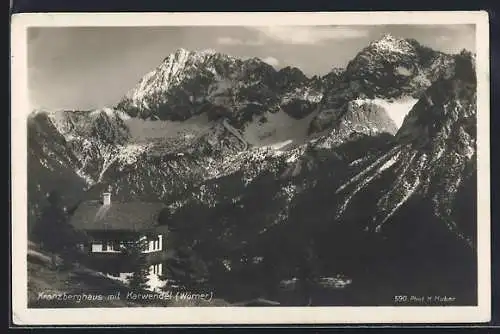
111,246
96,247
106,247
156,269
155,245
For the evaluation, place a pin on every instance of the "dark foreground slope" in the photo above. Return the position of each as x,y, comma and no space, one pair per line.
56,285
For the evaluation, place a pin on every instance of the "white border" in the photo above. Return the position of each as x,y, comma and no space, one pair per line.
240,315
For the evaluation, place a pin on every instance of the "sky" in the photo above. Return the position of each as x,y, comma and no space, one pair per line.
93,67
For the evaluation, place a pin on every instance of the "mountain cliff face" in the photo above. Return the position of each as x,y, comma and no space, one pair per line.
390,73
69,150
244,154
434,156
416,189
188,83
391,67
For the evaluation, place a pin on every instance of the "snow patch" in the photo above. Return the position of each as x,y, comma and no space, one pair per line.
277,128
389,162
88,180
409,189
279,145
399,183
396,110
60,121
145,130
366,170
351,195
401,70
235,133
129,154
439,153
303,93
122,277
292,158
391,44
154,282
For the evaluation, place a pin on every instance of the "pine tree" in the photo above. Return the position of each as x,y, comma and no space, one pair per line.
52,230
139,279
185,268
307,272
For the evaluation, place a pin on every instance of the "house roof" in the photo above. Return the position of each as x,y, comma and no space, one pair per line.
128,216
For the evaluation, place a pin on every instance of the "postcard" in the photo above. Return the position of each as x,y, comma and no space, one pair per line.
250,168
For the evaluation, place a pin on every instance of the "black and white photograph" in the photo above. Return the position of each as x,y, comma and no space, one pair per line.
267,165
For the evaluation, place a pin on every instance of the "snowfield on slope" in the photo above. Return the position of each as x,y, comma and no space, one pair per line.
396,110
145,130
278,128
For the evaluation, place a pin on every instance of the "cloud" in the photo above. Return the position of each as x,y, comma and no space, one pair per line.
229,41
451,27
302,35
237,41
271,61
444,38
310,34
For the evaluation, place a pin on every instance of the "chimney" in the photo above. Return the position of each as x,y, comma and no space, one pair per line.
106,198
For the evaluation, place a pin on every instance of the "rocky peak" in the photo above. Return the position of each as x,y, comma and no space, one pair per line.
208,52
333,77
180,72
390,44
292,71
187,83
289,77
385,55
105,125
390,71
446,107
180,52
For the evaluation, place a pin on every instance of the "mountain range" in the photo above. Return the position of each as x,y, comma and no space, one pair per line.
372,166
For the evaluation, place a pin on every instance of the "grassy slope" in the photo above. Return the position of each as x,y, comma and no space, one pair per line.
74,279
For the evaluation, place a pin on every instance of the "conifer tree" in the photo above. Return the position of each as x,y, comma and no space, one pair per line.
139,279
184,267
52,230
